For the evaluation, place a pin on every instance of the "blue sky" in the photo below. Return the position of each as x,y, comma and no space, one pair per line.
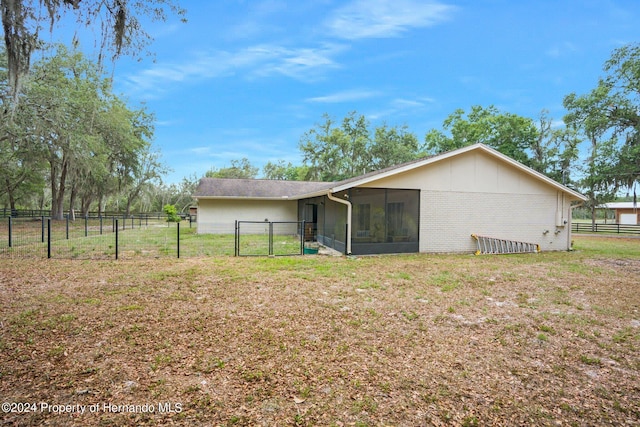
248,78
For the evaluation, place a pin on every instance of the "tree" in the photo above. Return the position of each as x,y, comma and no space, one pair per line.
589,114
609,118
321,148
334,153
148,170
354,146
24,21
623,84
508,133
20,166
284,171
238,169
554,151
93,145
65,96
392,146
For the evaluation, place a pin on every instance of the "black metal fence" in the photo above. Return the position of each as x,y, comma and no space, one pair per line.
37,213
88,237
270,238
143,236
584,227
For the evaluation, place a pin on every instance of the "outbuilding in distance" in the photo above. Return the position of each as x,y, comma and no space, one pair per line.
626,213
431,205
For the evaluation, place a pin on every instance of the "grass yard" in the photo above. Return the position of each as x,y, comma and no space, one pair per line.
411,340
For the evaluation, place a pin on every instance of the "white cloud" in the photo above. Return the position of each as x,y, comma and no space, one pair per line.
385,18
561,49
305,63
200,150
344,96
167,122
407,103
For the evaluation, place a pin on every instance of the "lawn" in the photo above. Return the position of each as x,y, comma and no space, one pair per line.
532,339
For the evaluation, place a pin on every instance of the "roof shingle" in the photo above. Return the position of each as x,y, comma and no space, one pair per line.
257,188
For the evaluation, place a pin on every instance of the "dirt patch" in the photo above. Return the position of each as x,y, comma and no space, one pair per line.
546,339
630,265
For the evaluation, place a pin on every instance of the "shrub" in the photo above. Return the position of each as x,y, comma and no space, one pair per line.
172,213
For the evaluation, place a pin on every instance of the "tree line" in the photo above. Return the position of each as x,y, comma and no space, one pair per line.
66,140
69,132
595,150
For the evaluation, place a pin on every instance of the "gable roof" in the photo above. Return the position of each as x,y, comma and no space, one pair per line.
364,179
279,189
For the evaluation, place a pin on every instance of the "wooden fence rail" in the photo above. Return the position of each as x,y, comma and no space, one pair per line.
584,227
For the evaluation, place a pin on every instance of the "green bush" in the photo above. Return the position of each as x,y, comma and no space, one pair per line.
172,213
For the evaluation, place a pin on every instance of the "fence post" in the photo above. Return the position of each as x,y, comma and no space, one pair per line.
42,224
100,224
49,238
10,229
236,249
86,225
178,233
303,230
117,228
67,227
270,238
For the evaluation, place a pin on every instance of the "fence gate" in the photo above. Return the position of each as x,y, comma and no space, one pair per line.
269,238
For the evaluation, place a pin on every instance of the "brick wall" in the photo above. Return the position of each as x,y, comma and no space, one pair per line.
448,218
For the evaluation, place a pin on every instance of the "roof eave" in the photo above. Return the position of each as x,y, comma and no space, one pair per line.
281,198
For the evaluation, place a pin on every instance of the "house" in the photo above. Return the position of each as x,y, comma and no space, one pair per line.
429,205
625,212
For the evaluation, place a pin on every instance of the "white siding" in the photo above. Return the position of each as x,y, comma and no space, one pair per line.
219,216
475,193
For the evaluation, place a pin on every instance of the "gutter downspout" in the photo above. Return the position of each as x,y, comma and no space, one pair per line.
348,204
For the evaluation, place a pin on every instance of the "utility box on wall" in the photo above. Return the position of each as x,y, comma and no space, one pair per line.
560,221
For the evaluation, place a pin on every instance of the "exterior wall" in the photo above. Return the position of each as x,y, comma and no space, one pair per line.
475,193
449,218
219,216
627,213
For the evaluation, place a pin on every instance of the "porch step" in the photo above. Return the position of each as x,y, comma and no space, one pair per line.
492,245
